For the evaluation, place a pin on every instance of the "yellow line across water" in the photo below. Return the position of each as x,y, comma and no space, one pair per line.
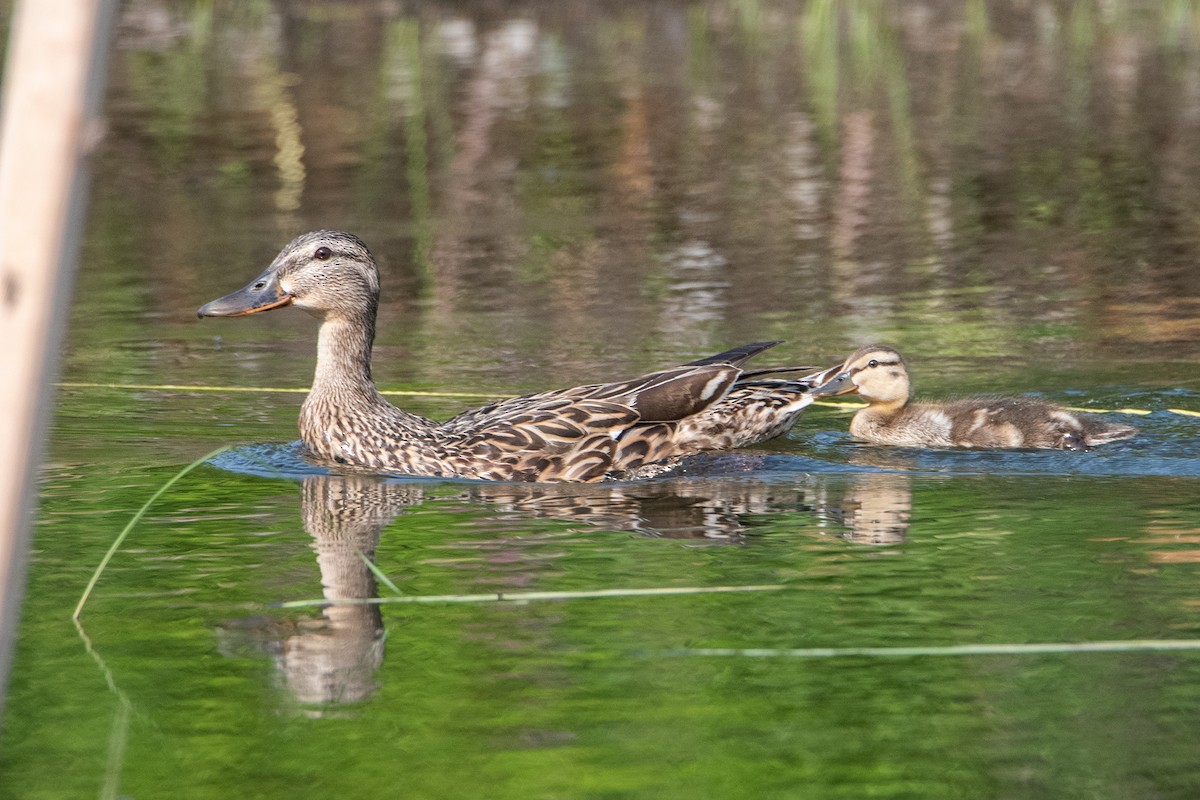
169,387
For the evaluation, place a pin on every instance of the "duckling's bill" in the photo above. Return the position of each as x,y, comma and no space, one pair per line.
261,294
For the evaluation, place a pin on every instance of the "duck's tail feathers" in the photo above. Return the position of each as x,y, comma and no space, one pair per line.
1111,432
757,373
735,357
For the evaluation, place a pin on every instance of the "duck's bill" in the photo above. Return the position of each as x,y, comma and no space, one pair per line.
261,294
831,382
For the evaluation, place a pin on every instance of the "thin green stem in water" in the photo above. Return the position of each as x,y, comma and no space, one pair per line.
1014,649
378,573
134,521
525,597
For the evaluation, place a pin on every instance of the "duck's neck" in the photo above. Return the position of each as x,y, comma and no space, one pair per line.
344,359
344,418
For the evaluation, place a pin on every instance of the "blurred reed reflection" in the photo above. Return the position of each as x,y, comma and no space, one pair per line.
332,660
540,180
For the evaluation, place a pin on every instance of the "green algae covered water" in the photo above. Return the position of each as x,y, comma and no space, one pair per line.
566,193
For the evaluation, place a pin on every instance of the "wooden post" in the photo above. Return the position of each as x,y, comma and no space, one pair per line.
53,82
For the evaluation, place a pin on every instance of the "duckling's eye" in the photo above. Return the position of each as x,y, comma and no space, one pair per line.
323,253
872,363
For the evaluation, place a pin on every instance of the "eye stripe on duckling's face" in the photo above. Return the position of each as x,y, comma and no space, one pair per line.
875,362
879,374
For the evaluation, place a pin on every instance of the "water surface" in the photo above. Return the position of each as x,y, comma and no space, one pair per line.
570,192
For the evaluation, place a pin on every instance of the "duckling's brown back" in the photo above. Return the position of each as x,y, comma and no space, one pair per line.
1027,422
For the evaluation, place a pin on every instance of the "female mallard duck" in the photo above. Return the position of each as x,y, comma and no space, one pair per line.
879,375
586,433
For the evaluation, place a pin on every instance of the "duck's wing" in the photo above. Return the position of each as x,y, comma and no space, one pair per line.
662,396
585,432
661,393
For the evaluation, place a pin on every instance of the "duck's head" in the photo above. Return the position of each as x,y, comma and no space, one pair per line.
877,373
326,273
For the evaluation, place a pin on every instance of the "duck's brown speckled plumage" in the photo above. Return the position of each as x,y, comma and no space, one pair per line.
585,433
879,375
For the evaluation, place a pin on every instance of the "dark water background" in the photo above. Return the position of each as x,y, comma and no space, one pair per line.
567,192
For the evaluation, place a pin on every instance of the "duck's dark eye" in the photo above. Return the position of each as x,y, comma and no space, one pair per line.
872,363
322,253
260,285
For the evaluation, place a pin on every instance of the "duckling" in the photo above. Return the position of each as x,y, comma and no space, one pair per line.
586,433
879,375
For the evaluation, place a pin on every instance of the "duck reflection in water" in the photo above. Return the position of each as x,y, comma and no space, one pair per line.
332,660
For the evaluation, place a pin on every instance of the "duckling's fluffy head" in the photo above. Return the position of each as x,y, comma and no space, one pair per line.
328,273
877,373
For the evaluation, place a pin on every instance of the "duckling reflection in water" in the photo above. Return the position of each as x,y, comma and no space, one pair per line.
879,375
877,507
582,434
